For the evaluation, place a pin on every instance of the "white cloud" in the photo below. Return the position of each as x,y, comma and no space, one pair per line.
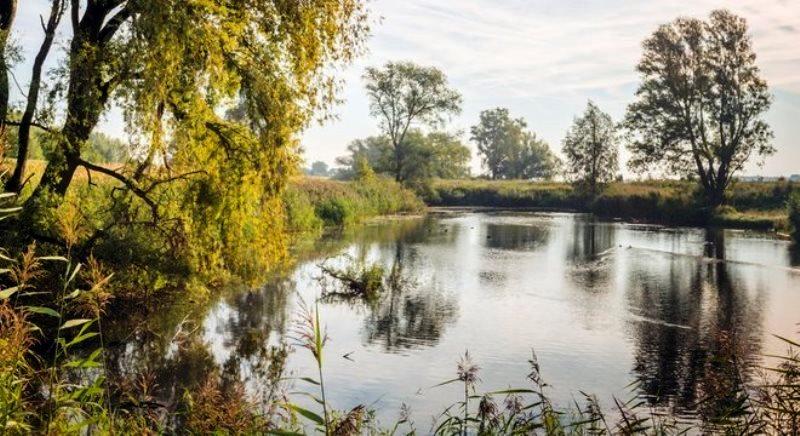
543,59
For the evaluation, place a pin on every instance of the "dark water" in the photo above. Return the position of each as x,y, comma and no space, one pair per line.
602,304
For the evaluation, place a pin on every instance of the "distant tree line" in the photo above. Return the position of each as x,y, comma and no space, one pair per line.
697,115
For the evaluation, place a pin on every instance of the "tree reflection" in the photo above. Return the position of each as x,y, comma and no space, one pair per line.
408,315
794,254
589,252
515,236
696,330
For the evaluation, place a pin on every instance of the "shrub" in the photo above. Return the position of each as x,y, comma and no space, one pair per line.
311,203
794,215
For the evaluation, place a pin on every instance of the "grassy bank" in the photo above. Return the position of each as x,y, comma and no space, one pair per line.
750,205
314,203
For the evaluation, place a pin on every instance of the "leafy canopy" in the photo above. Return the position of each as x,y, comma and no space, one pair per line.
700,104
435,155
404,95
591,149
176,67
508,150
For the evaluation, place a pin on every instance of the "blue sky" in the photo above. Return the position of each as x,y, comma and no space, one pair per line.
541,59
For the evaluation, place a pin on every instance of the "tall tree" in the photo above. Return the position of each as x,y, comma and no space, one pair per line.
57,9
508,150
591,149
496,134
700,104
402,95
532,159
175,67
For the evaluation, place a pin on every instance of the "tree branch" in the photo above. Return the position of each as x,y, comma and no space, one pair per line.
111,27
47,129
129,183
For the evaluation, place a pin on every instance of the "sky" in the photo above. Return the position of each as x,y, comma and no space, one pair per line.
541,59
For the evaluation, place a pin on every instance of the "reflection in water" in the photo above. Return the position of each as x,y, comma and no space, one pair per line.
590,254
408,315
515,236
602,303
709,330
590,241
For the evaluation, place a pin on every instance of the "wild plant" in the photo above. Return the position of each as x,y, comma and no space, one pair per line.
309,334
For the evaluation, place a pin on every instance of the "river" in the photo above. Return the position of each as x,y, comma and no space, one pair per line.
609,308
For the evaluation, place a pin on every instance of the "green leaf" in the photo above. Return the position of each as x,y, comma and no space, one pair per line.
5,294
80,338
310,380
55,258
307,414
74,273
74,323
445,382
43,310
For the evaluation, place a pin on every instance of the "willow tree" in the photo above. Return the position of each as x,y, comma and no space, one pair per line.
174,67
404,95
699,107
591,149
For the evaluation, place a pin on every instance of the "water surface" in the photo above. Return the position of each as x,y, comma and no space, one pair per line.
602,304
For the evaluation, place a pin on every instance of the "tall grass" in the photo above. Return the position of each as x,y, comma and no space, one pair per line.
312,203
771,406
750,205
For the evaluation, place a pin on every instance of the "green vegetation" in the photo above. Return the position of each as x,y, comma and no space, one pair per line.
436,154
684,119
216,94
751,205
402,96
318,169
509,150
70,393
794,215
591,149
313,203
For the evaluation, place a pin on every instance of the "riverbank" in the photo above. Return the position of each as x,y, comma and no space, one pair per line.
313,203
758,206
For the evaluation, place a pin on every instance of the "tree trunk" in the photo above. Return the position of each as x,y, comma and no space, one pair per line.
87,95
715,196
14,184
398,163
8,9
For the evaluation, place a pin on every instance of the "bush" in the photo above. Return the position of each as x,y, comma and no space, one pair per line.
794,215
312,203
